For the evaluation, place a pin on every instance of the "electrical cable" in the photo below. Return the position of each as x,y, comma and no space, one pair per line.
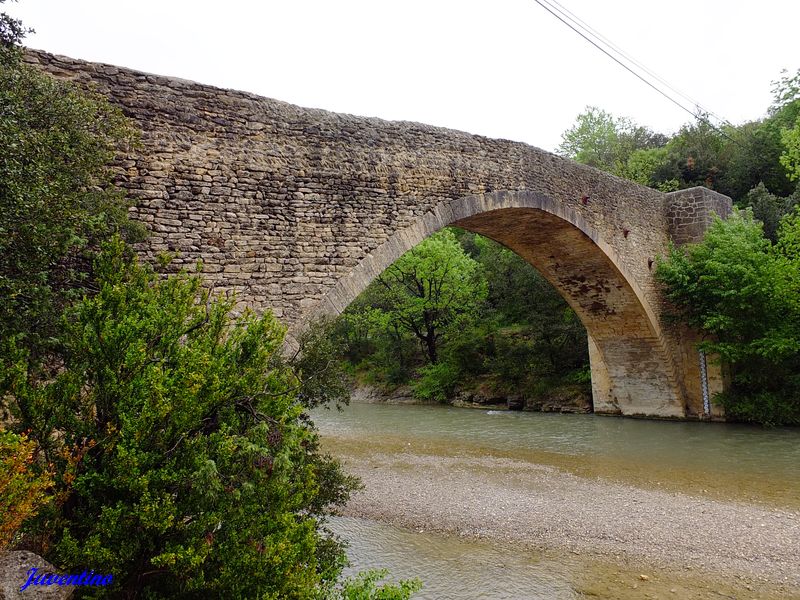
597,35
586,36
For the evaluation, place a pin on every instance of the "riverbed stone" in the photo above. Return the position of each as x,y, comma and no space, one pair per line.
14,567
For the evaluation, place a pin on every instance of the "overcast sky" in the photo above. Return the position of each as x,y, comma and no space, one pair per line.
504,68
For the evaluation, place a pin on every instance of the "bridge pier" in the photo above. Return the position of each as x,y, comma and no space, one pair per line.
689,214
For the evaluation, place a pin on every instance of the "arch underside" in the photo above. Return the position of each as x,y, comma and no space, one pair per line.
633,372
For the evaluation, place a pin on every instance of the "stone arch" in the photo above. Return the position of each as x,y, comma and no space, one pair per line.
633,371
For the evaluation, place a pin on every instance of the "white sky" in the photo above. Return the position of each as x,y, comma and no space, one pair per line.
504,68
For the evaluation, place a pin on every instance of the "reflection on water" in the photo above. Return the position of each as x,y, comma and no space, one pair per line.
720,460
452,568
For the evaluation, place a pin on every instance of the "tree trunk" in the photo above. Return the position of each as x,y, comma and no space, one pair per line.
430,346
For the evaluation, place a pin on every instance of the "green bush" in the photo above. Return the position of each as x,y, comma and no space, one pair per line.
184,461
436,382
765,407
23,484
366,586
57,198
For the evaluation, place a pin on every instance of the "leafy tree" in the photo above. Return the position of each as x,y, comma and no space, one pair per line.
694,156
786,97
733,266
57,200
317,364
790,158
751,156
768,208
601,140
741,291
12,32
643,166
788,244
426,289
184,462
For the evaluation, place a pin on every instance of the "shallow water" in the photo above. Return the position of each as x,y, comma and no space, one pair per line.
707,459
719,460
451,567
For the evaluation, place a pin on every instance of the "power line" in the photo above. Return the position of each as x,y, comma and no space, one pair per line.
545,4
597,35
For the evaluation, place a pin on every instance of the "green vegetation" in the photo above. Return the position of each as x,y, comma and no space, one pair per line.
755,163
183,458
613,144
365,586
143,432
22,485
741,285
461,313
743,291
427,290
57,200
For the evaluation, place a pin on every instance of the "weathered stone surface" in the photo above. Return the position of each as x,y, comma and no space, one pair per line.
14,568
690,212
297,210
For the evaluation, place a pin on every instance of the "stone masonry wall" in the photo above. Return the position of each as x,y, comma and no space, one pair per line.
278,200
690,212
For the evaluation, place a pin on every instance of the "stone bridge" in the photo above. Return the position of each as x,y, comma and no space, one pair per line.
297,210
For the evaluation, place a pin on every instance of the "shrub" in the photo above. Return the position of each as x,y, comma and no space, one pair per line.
198,471
366,586
23,486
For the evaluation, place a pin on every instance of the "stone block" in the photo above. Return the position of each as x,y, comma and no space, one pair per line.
14,569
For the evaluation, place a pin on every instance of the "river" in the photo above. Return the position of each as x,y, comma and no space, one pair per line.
425,467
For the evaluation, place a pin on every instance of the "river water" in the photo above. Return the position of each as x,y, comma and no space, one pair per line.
718,461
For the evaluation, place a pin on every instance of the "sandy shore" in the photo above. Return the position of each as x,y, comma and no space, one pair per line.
543,507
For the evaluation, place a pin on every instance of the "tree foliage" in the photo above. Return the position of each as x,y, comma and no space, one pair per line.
769,208
730,159
742,292
428,288
602,140
790,158
56,196
367,586
184,462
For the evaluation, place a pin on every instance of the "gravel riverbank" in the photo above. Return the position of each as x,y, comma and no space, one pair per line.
543,507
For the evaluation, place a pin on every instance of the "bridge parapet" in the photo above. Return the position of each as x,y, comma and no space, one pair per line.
690,213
